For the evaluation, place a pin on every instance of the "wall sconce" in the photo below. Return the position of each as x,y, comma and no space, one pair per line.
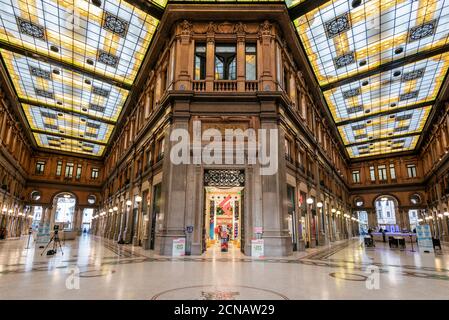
338,212
115,209
446,214
4,209
319,204
110,210
440,215
333,210
309,201
129,203
138,199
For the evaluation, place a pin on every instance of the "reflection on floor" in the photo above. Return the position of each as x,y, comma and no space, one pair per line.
95,268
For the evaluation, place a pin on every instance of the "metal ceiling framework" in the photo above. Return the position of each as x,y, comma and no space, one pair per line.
72,64
380,65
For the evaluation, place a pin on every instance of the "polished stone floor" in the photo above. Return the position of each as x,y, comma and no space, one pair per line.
95,268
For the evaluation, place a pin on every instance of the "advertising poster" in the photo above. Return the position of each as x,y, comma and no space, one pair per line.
43,233
257,248
424,238
179,247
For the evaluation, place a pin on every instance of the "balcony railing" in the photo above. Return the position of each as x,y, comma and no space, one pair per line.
199,85
225,85
251,86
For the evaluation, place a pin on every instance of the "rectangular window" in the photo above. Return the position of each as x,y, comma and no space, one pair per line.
392,171
356,176
148,156
94,173
161,147
40,167
78,172
69,170
287,149
59,168
372,173
251,62
411,170
382,170
225,62
200,62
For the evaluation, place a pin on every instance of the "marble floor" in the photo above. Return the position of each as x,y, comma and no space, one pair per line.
95,268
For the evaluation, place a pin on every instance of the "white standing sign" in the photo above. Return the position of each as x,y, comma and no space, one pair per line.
424,236
179,247
257,248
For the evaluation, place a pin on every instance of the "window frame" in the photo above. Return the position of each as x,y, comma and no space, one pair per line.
251,54
96,175
68,172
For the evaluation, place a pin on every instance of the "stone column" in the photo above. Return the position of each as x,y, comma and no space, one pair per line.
267,50
210,59
128,222
124,209
79,222
277,240
445,222
372,219
171,220
241,63
184,56
135,239
406,219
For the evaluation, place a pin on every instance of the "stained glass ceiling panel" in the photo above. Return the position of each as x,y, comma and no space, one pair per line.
68,145
110,40
410,84
386,126
341,40
59,122
43,83
383,147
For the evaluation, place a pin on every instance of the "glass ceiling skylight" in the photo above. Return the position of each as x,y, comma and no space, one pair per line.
69,62
110,40
60,122
341,40
381,65
67,144
43,83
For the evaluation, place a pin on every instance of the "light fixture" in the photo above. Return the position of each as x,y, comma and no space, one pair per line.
309,200
4,209
384,199
446,214
334,210
115,209
420,220
129,203
138,199
319,204
338,212
440,215
67,196
110,210
10,211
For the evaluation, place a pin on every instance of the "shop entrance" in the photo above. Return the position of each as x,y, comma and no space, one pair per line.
223,227
223,216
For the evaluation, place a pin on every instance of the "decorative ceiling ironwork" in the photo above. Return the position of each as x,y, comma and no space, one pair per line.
377,59
224,178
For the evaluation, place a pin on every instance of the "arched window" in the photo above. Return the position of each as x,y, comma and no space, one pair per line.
386,213
65,209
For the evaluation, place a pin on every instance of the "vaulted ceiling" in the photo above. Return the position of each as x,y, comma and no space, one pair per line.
72,64
380,65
